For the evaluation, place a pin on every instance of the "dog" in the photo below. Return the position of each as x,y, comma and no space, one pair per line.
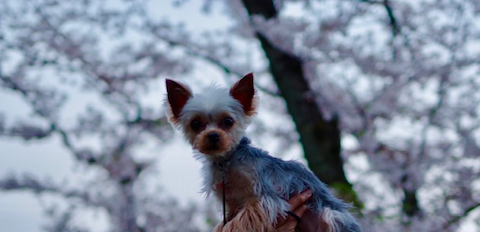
253,185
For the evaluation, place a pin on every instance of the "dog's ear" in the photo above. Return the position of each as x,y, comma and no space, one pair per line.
243,91
178,95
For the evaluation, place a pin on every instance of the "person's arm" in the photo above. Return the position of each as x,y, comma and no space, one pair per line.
298,208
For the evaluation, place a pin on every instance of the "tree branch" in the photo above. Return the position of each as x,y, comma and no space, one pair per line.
29,183
190,50
391,16
462,215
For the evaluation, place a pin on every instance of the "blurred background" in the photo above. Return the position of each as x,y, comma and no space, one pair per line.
378,97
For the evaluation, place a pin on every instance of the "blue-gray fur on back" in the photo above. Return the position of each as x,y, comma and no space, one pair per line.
278,180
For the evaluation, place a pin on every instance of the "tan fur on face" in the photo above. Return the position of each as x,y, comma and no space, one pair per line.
203,145
190,134
219,119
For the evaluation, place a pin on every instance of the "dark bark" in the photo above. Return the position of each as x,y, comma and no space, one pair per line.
319,137
410,203
391,16
410,206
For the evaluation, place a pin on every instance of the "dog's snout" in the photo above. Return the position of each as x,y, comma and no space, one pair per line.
213,137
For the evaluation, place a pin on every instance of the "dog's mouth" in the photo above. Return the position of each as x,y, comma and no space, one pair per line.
212,149
212,145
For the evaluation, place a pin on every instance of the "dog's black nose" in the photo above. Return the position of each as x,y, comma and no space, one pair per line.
213,137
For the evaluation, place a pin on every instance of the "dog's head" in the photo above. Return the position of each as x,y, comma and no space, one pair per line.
213,121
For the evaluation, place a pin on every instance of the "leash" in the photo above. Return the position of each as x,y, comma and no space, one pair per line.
223,193
223,166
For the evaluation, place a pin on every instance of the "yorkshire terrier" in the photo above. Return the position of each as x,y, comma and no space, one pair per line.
253,185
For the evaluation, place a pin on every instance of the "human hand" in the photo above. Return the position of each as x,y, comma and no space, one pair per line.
298,208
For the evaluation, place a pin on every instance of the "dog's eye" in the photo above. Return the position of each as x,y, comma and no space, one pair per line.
196,125
228,122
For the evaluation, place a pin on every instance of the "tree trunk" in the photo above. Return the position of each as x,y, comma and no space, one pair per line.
410,203
319,137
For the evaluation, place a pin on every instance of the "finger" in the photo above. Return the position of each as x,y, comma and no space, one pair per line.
295,202
300,211
289,226
299,199
291,223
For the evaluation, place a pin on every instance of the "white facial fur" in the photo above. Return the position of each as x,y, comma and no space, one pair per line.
212,102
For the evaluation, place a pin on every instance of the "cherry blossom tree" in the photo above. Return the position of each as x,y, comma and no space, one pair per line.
381,96
400,78
52,51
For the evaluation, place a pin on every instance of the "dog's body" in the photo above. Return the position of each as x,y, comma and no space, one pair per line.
255,186
258,182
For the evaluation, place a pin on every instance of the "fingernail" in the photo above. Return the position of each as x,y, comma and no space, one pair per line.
308,193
